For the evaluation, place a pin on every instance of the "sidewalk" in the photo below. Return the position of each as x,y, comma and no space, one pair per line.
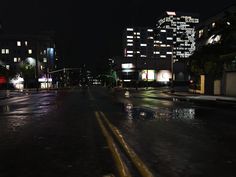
11,93
198,97
183,95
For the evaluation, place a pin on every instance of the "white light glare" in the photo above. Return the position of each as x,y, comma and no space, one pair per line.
130,29
171,13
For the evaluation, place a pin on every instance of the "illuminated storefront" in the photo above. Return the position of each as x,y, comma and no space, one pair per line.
147,75
163,76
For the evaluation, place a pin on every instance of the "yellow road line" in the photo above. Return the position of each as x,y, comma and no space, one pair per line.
139,164
121,166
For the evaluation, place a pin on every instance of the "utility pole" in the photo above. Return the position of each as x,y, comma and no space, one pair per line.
36,65
172,69
136,71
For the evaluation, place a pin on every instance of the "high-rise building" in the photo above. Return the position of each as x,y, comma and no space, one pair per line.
183,26
148,43
138,42
147,55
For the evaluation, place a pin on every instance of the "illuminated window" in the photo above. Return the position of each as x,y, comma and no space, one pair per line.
130,51
143,45
130,29
150,30
130,40
130,37
18,43
143,56
7,51
127,66
26,43
45,60
200,34
148,75
163,31
129,55
156,52
7,67
3,51
30,51
213,25
171,13
129,44
228,23
138,33
41,67
169,53
163,56
150,37
15,59
169,38
19,59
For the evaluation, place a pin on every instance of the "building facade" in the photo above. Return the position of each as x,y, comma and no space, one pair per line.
184,45
147,52
183,26
22,54
219,31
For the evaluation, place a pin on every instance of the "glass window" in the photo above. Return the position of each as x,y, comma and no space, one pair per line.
18,43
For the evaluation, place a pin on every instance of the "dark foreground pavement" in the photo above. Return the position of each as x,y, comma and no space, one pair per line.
57,134
52,134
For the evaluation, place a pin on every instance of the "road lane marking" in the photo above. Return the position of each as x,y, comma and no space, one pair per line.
139,164
121,166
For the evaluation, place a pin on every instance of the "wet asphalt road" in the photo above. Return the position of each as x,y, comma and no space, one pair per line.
56,134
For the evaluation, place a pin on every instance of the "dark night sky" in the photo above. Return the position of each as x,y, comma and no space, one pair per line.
91,31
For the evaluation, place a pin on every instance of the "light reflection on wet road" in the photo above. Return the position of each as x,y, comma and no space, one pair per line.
181,138
17,111
174,138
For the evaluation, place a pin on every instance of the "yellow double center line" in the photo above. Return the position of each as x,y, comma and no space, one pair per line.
122,168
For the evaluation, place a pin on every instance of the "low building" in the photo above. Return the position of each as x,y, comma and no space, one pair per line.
29,57
220,30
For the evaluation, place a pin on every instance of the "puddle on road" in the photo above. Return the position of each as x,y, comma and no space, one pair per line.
165,114
15,122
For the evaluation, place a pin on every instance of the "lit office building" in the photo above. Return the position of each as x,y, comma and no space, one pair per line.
147,54
183,26
148,43
138,42
183,46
